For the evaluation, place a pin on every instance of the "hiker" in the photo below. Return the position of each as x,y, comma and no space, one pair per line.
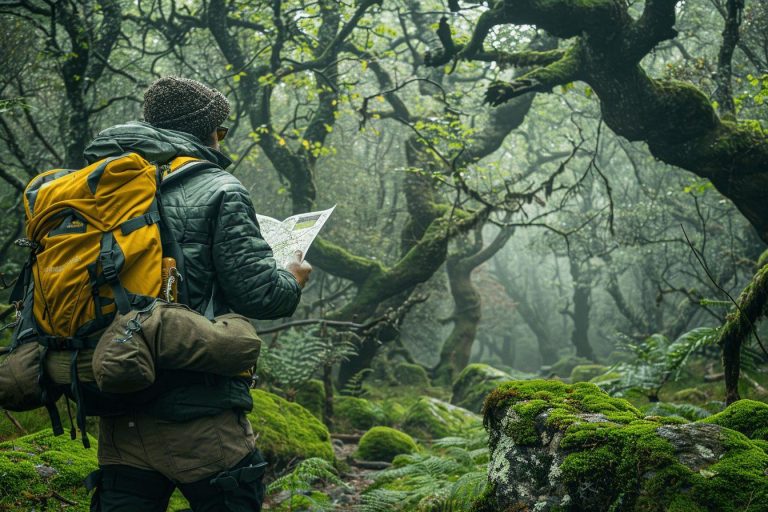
195,435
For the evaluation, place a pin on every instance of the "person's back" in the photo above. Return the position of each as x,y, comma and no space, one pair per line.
195,434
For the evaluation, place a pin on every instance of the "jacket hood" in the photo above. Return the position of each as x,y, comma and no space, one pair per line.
155,144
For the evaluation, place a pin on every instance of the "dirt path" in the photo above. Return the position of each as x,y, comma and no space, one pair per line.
357,479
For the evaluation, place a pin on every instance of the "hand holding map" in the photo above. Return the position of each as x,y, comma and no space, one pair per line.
296,233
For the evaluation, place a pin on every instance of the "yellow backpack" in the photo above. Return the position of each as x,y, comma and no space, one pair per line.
97,241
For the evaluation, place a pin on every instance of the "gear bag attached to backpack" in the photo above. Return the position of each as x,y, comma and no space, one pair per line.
96,246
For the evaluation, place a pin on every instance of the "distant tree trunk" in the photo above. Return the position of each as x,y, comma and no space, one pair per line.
467,311
538,325
723,94
582,292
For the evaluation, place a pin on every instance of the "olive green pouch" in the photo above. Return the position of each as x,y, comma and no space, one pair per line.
171,336
20,388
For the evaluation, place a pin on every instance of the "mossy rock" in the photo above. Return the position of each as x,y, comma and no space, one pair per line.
474,383
746,416
287,431
32,466
565,365
691,396
587,372
433,418
311,396
353,413
394,411
384,444
409,374
557,446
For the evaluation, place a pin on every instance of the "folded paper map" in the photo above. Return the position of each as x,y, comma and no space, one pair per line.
296,233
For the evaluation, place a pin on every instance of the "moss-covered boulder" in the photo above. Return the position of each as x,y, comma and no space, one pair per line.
311,396
746,416
587,372
287,431
474,383
353,413
409,374
433,418
34,467
384,444
571,447
393,411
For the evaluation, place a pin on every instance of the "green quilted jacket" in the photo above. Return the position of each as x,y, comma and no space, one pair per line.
211,217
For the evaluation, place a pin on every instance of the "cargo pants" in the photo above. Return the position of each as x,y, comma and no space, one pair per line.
212,460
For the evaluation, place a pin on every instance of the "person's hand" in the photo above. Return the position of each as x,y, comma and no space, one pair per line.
300,269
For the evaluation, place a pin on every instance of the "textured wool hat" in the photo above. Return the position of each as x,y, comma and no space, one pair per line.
185,105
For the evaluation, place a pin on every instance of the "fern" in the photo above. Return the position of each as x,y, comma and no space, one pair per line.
655,362
298,355
299,484
354,386
449,480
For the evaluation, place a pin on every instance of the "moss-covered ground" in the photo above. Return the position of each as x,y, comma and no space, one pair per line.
44,472
286,431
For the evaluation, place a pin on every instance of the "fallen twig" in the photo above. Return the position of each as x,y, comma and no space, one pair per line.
15,422
370,464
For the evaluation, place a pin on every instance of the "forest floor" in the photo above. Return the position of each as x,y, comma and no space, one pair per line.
357,479
348,496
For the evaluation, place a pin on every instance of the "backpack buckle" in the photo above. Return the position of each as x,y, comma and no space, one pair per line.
108,267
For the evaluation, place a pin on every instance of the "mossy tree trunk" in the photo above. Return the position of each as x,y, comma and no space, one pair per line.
581,275
739,326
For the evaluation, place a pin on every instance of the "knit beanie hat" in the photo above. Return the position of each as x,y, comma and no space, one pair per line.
185,105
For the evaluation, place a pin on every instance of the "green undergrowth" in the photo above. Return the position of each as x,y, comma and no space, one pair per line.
448,477
475,382
432,418
746,416
618,459
353,413
685,411
384,444
311,396
45,472
298,489
286,431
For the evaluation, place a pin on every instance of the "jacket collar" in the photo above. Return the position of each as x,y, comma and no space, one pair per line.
155,144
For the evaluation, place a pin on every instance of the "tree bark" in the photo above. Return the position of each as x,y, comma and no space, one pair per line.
738,326
582,292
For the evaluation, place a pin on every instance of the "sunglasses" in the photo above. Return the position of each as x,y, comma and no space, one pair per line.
221,132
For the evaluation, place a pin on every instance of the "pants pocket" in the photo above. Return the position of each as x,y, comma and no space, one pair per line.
191,444
108,452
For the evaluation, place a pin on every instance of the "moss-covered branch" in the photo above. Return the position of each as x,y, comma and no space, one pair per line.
739,325
341,263
542,79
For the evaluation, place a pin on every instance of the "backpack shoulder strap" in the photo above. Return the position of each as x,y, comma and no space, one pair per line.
181,166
